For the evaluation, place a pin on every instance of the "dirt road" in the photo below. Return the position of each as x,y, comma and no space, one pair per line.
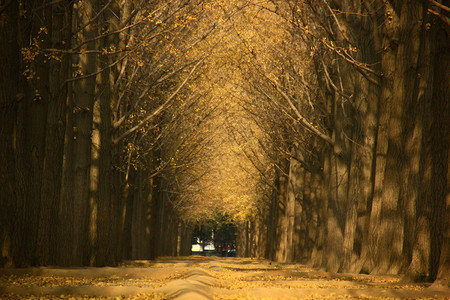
205,278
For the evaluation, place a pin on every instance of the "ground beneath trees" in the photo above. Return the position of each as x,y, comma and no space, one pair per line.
205,278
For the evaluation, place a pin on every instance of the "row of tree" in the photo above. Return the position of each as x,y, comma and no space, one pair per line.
94,124
321,127
352,100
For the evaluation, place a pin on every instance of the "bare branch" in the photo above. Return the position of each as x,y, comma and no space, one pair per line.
440,5
443,18
96,16
342,31
96,73
328,78
161,107
302,119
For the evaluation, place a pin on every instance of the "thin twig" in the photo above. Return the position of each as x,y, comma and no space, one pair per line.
443,18
440,5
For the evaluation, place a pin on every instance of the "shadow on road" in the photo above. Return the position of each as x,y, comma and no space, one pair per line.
197,277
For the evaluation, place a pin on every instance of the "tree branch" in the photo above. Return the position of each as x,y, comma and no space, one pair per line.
302,119
441,6
160,108
443,18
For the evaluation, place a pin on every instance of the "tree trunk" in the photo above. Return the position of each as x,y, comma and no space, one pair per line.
388,56
416,146
282,220
443,272
102,171
298,189
10,96
141,229
365,105
84,92
154,229
66,211
439,141
272,217
394,186
293,189
317,195
337,189
309,215
48,242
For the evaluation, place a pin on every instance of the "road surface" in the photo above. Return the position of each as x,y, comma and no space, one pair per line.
198,277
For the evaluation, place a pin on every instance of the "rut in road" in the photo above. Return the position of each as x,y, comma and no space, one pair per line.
198,277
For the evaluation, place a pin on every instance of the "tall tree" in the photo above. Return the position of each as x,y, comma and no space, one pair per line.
11,97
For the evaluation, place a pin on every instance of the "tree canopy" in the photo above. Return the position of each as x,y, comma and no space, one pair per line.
320,128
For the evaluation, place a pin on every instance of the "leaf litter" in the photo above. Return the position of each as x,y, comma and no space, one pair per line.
233,278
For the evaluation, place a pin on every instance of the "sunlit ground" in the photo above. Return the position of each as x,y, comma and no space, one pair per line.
198,277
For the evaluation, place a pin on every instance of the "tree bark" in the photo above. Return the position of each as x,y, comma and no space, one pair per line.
84,92
394,186
439,141
282,220
293,189
388,56
102,172
51,182
10,96
337,189
443,272
365,109
298,187
417,146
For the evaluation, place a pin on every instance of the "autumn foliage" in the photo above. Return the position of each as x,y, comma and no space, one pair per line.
320,127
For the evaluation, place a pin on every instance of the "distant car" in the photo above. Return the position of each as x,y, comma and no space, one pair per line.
210,247
231,253
196,249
